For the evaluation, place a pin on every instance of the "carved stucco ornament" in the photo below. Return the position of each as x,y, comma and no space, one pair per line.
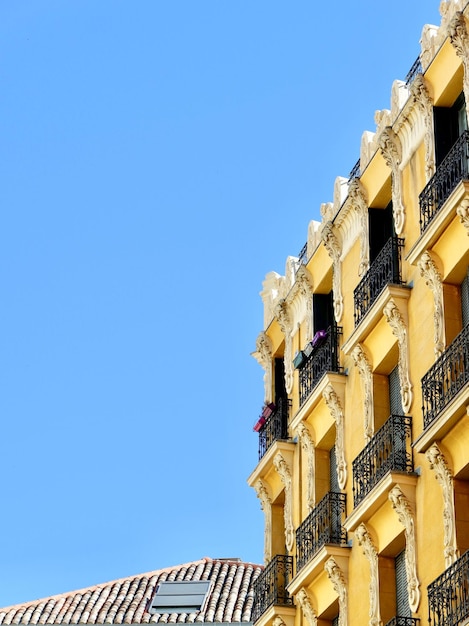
283,316
307,444
283,471
428,45
335,408
278,621
263,356
365,541
404,512
366,374
337,578
459,37
421,97
333,247
444,476
304,288
395,320
391,149
357,195
431,275
303,599
463,213
266,505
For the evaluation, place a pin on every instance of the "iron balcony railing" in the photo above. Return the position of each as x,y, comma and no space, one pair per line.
355,172
324,525
276,426
448,595
303,255
388,450
452,170
324,358
385,270
445,378
403,621
270,588
414,71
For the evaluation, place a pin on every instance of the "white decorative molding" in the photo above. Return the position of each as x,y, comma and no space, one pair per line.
429,272
278,621
428,45
365,541
359,202
444,476
314,238
367,149
304,600
391,149
406,517
327,212
448,11
337,578
263,355
307,444
300,301
283,471
459,37
395,320
273,290
463,213
266,505
337,413
366,374
420,96
334,249
282,314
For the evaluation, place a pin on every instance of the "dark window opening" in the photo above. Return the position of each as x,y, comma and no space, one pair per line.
381,229
323,311
402,594
279,380
449,124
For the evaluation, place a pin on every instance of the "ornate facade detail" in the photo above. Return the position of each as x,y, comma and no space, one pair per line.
399,95
314,238
337,578
333,403
444,476
459,38
273,290
333,247
366,374
463,213
367,148
404,512
428,45
303,599
391,149
357,194
421,97
399,330
282,314
307,444
431,275
283,471
303,289
263,356
266,505
327,212
365,541
278,621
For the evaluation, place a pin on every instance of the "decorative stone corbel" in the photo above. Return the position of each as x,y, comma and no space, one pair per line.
266,505
337,578
278,621
333,247
394,318
404,512
431,275
366,374
335,408
444,476
304,285
283,471
463,213
421,96
428,45
307,444
303,599
263,356
459,38
357,194
391,149
314,238
365,541
283,316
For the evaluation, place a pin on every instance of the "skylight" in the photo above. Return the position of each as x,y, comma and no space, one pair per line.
179,596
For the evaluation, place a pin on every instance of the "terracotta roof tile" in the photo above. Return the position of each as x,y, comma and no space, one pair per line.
126,601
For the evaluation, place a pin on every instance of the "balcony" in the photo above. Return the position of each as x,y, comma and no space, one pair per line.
452,170
412,74
276,426
403,621
322,526
385,270
324,358
445,378
270,589
448,595
388,451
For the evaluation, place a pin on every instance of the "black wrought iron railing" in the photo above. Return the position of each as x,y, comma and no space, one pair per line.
388,450
275,427
385,270
270,588
324,525
324,358
403,621
303,255
355,171
445,378
414,71
448,595
452,170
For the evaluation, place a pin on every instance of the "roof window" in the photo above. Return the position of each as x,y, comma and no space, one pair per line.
179,596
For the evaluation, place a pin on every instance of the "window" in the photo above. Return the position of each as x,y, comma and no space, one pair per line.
402,595
395,398
465,301
179,596
449,123
381,229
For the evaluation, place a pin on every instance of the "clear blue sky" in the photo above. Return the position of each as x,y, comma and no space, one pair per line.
158,158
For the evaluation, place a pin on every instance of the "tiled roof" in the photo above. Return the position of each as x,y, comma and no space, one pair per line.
126,601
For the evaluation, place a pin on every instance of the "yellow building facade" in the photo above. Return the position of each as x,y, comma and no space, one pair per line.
363,468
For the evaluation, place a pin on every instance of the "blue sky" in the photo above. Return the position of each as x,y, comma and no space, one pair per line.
157,160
